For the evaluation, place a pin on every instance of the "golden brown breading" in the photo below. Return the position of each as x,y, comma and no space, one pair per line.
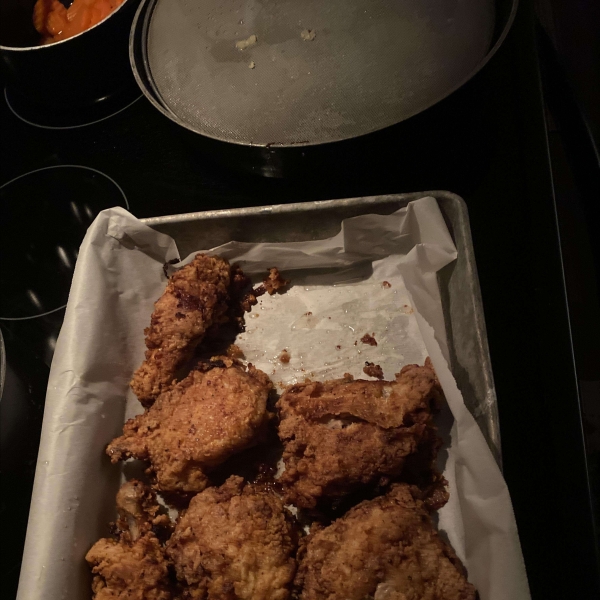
134,567
385,549
341,434
196,298
197,425
234,542
134,570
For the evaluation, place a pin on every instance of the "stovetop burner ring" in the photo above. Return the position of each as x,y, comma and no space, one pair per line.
97,114
45,314
6,184
44,215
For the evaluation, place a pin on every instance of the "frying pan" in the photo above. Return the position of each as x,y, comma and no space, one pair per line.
278,75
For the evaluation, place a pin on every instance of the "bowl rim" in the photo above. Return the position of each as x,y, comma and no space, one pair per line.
54,44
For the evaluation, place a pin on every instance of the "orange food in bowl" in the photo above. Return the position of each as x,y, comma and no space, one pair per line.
55,22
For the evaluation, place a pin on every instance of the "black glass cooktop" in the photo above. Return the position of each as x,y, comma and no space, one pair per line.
66,196
486,143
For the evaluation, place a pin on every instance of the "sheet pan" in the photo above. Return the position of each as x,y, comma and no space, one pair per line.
436,312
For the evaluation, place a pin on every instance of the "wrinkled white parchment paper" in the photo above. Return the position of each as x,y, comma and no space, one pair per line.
337,296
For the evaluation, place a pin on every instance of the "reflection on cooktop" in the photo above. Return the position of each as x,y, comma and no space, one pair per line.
38,115
44,215
21,413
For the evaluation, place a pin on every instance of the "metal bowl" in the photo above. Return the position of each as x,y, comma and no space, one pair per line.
83,69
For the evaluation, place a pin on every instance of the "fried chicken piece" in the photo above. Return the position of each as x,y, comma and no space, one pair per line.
196,298
385,549
134,567
342,434
213,413
234,542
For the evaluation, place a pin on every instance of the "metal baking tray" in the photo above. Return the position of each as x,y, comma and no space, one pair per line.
459,285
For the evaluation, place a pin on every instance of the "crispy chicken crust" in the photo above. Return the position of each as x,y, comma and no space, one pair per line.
234,542
133,567
196,298
384,549
342,434
197,425
129,571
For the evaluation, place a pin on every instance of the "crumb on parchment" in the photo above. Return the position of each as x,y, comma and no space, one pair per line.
386,284
369,339
373,370
249,41
308,35
285,356
274,282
